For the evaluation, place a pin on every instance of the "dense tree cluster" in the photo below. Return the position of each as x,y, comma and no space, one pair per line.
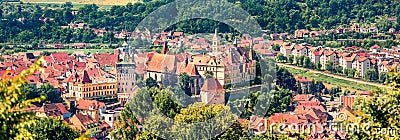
379,114
16,122
281,16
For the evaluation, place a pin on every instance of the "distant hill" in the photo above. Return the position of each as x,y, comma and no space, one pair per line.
98,2
9,0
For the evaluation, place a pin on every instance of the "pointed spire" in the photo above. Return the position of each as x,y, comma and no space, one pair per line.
216,41
165,48
125,44
235,42
216,34
86,78
251,55
186,61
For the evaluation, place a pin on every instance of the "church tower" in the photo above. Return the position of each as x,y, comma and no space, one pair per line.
216,42
165,48
126,70
251,53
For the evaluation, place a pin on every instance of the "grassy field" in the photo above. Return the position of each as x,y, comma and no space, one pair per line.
331,81
71,51
97,2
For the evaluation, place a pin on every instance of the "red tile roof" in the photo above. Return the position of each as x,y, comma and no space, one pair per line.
162,63
54,109
376,46
106,59
284,118
189,69
60,57
362,59
303,79
329,53
89,104
212,85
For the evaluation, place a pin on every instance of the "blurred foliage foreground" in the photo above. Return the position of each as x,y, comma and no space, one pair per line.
17,122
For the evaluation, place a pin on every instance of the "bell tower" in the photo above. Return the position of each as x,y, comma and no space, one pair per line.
216,41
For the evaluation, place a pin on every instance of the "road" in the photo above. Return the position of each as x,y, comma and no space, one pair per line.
336,76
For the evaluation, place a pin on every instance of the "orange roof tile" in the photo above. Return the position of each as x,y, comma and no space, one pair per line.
89,104
162,63
212,85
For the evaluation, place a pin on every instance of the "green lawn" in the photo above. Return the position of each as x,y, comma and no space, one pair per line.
331,80
70,51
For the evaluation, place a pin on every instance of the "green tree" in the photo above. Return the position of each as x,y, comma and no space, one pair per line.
164,103
30,91
52,129
150,82
13,118
284,79
67,5
318,65
346,72
339,69
126,125
352,72
319,86
290,59
383,77
299,89
379,112
208,74
109,37
329,66
313,88
276,47
52,95
371,75
306,62
280,58
218,115
185,82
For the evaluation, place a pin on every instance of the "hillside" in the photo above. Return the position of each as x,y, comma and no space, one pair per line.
274,15
98,2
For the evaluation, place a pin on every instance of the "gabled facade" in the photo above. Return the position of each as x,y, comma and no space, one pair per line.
329,55
212,92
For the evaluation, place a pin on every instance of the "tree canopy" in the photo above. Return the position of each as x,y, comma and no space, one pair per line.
380,112
13,117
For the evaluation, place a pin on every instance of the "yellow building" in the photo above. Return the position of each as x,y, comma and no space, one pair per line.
86,87
229,64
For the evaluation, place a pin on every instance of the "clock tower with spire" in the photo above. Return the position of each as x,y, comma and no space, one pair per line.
216,42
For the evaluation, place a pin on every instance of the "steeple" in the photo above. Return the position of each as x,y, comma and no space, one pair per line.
165,48
86,79
251,53
186,61
215,34
216,41
235,42
125,44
